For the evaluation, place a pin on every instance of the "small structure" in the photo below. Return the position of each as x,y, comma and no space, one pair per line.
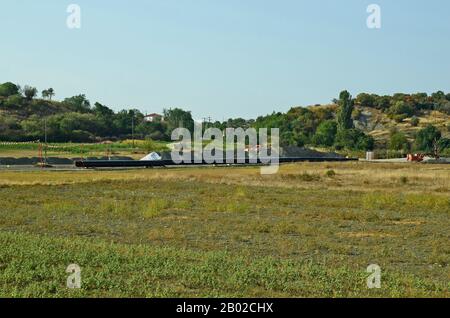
153,118
370,155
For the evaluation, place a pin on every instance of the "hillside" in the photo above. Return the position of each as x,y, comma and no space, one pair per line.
401,122
380,125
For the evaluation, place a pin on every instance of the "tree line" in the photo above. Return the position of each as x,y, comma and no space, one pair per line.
25,116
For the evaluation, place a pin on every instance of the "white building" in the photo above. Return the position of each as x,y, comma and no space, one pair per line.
153,118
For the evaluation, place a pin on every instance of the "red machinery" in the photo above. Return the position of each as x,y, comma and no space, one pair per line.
415,157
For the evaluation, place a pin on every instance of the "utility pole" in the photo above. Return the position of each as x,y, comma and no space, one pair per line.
45,140
45,130
203,120
132,128
207,121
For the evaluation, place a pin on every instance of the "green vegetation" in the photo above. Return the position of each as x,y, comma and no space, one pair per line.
74,119
309,231
344,116
415,121
24,118
325,134
430,139
398,141
136,149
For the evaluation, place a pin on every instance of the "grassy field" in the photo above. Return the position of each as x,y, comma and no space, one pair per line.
311,230
77,150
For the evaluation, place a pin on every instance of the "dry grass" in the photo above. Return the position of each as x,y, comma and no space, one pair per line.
212,217
351,176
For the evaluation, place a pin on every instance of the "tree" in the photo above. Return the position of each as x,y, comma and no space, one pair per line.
437,96
155,130
287,138
354,139
443,107
444,143
303,123
344,117
427,138
421,101
178,118
124,119
48,93
30,92
401,108
398,141
325,134
366,100
102,110
33,127
383,102
8,89
70,122
78,103
51,93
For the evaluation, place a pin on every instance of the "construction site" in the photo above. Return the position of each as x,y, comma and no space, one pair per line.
111,159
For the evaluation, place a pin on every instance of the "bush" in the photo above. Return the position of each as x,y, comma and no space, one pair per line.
80,136
398,141
404,180
330,173
14,101
443,107
366,100
157,135
399,118
426,137
401,108
443,144
8,89
415,121
325,134
354,139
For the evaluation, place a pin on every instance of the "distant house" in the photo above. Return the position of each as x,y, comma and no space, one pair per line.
153,118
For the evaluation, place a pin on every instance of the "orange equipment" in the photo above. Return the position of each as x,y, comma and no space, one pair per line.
415,157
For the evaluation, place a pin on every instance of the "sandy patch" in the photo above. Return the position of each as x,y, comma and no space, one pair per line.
365,234
408,222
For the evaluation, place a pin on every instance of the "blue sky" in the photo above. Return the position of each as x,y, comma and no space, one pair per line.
225,58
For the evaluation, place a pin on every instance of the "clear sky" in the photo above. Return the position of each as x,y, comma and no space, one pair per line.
225,58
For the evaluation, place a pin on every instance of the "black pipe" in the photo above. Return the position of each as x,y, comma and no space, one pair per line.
164,163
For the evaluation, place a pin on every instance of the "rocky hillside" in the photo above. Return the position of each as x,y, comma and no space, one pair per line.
379,125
